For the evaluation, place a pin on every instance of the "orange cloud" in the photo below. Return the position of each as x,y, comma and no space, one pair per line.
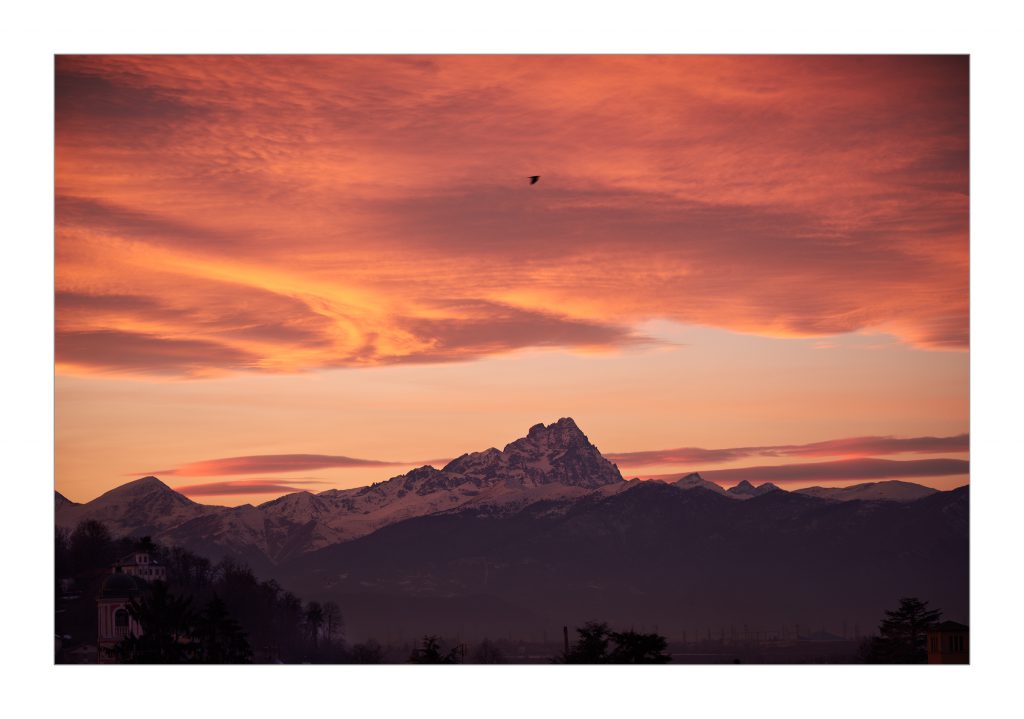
244,486
280,214
271,463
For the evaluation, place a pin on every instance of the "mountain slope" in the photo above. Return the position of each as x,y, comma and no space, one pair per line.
671,558
145,506
554,462
745,490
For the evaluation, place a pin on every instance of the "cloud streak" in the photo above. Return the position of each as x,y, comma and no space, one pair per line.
849,446
244,486
271,463
843,469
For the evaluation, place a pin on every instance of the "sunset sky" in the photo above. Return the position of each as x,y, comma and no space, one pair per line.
281,273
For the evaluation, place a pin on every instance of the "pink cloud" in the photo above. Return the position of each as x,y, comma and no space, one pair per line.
844,469
849,446
270,463
262,213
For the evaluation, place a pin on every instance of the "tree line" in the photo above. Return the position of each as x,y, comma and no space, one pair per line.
902,634
206,611
219,612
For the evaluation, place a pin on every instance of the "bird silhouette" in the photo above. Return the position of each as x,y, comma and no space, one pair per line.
533,179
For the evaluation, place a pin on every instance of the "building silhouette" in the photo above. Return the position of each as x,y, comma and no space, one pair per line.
949,643
141,563
128,580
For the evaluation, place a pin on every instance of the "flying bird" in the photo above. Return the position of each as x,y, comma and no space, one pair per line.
533,179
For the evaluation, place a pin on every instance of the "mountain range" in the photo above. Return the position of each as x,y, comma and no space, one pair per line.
550,462
547,529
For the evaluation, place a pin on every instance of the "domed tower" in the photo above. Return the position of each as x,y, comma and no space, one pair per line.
112,606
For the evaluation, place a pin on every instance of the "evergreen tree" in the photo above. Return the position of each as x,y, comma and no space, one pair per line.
592,645
903,634
635,648
334,624
366,653
91,547
219,638
166,621
630,647
63,563
314,619
431,652
488,653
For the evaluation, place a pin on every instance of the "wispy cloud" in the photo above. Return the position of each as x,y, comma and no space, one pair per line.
843,469
848,447
271,463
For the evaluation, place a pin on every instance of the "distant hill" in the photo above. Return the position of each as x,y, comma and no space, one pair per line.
891,491
678,560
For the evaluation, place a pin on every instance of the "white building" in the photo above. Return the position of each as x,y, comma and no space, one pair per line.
140,563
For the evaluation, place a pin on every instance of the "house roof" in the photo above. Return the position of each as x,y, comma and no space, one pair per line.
120,585
130,557
949,626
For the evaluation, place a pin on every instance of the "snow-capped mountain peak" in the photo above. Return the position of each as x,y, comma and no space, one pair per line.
693,480
558,454
145,506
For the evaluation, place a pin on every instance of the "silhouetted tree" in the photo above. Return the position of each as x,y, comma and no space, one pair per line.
334,625
291,624
314,619
166,621
366,653
631,647
903,633
187,571
91,546
487,652
234,602
431,652
62,553
635,648
219,638
592,645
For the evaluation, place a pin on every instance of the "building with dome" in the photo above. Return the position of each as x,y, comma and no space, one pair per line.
115,623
